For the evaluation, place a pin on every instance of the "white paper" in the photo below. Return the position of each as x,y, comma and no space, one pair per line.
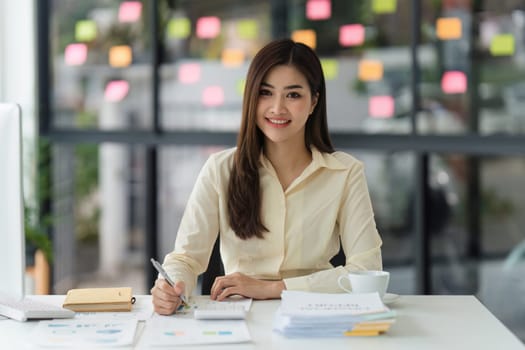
85,333
311,304
173,330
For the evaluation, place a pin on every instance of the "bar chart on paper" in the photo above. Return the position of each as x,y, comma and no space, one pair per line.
170,331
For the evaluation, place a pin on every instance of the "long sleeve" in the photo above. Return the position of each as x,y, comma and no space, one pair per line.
359,238
197,232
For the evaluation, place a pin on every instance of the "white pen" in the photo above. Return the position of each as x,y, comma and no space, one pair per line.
164,274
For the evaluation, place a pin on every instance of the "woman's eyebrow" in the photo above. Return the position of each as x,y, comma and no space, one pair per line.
289,87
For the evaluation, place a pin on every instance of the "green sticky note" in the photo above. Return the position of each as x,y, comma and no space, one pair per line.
330,68
384,6
502,45
179,28
247,28
240,86
85,30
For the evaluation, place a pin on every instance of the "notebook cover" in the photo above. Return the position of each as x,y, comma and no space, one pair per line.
99,299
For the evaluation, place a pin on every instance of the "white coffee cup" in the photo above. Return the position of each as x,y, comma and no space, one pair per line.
366,282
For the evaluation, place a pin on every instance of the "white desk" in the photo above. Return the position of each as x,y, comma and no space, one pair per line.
423,322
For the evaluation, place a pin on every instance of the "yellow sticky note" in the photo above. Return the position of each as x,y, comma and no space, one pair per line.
384,6
305,36
232,57
330,68
502,45
120,56
179,28
85,30
239,87
448,28
247,28
370,70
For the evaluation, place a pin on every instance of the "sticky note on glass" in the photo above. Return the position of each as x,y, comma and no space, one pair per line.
189,73
502,45
85,30
247,29
381,107
232,57
208,27
116,90
454,82
129,11
384,6
330,68
370,70
120,56
318,9
239,87
351,35
448,28
75,54
213,96
179,28
305,36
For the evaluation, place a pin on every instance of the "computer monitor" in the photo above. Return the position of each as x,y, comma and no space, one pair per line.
12,246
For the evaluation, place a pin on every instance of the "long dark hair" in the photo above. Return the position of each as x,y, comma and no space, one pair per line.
244,192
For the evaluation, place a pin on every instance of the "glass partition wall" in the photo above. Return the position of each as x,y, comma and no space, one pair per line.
135,95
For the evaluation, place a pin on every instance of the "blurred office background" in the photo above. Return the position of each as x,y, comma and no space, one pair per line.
124,101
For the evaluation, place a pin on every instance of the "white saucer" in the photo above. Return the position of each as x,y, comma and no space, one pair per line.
390,298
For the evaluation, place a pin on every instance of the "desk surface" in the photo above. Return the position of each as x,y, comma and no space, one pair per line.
423,322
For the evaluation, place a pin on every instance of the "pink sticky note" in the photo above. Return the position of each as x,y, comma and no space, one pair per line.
454,82
318,9
116,90
129,11
75,54
208,27
189,73
213,96
351,35
381,106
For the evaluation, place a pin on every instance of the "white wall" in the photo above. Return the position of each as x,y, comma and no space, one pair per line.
18,72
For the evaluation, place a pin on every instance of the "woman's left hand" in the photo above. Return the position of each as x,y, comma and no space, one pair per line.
249,287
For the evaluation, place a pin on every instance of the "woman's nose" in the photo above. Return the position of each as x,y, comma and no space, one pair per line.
278,106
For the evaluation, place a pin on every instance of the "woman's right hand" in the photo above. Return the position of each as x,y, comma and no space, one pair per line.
165,298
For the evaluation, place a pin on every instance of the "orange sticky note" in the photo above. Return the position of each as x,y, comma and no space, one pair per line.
448,28
120,56
370,70
232,57
305,36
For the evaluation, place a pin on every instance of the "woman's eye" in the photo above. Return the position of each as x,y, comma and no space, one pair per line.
294,95
264,92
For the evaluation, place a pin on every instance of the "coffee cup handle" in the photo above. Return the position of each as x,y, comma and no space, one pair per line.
340,283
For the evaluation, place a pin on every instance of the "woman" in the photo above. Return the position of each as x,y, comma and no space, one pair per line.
283,200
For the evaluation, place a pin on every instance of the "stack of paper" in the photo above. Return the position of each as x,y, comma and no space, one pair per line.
304,314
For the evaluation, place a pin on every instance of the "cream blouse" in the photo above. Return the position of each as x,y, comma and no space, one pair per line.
328,203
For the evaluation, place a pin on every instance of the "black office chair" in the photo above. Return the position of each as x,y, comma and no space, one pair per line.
216,268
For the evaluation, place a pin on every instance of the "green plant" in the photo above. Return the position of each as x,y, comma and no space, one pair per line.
36,225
